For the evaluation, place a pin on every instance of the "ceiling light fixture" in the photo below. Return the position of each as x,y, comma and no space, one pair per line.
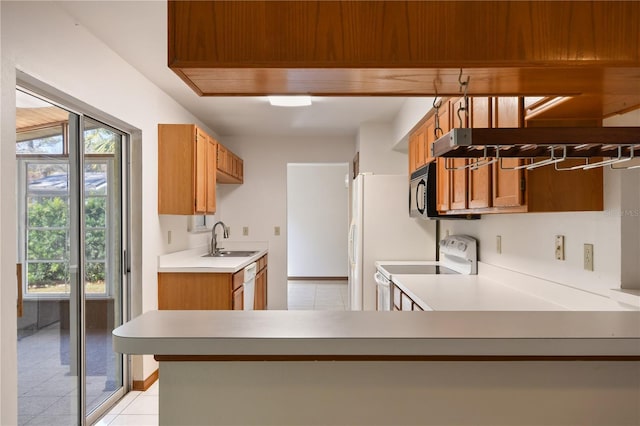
290,101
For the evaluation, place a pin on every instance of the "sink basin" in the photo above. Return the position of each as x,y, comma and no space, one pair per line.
231,253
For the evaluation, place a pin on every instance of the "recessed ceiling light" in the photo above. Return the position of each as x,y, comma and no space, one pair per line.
290,101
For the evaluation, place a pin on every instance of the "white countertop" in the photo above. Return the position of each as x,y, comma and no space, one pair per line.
380,333
499,289
192,260
468,293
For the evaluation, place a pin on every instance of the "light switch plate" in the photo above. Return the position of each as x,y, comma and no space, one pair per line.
276,230
245,230
498,244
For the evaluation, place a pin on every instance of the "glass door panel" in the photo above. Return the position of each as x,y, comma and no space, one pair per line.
48,367
103,260
70,250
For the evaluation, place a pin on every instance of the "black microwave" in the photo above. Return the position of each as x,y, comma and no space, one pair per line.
422,195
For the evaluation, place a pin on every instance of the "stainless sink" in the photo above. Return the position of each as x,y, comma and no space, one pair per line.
231,253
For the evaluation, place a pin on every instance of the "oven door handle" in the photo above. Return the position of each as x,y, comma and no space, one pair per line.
381,279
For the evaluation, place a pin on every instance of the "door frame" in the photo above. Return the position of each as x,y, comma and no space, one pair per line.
131,217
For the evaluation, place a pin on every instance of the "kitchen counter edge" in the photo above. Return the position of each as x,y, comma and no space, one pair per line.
366,334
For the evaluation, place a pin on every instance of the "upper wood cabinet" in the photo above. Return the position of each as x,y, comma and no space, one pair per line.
502,187
458,175
508,184
418,147
479,187
443,175
230,167
186,174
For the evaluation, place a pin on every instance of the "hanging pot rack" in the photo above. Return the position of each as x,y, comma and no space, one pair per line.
548,145
542,146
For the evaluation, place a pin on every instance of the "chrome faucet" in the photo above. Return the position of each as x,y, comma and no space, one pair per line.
213,247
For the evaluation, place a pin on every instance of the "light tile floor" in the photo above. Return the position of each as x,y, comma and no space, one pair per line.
141,408
318,295
135,408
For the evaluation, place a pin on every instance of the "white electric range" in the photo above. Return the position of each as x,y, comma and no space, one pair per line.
458,255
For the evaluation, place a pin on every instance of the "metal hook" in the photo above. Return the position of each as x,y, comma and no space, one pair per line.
464,87
437,127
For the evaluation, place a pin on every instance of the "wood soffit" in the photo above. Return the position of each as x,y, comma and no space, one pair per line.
588,50
28,119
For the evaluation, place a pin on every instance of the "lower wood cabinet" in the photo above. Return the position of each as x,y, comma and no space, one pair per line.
261,284
210,291
200,291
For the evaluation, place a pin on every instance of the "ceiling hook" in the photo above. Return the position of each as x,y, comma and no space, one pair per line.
436,106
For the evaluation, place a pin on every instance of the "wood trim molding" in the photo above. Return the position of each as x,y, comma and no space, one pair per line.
143,385
474,358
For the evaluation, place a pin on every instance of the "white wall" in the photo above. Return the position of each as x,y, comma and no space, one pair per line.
528,239
375,143
261,202
317,219
40,39
412,111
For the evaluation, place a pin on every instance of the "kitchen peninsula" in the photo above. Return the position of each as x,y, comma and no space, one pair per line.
400,368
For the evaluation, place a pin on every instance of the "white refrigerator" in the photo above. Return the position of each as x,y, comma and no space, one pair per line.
381,229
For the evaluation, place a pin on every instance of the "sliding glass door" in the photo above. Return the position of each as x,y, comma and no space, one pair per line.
71,242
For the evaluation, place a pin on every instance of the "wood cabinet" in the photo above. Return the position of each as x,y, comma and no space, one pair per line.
443,175
230,167
502,187
479,180
508,184
210,291
458,175
261,284
200,291
418,147
186,178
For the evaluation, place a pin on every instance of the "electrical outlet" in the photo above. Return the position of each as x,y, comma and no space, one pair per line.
446,233
276,230
498,244
588,257
245,230
559,247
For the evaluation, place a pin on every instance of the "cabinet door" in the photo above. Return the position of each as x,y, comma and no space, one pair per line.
508,185
238,299
443,176
194,291
413,152
480,179
417,148
261,290
202,143
424,144
211,175
458,176
222,158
